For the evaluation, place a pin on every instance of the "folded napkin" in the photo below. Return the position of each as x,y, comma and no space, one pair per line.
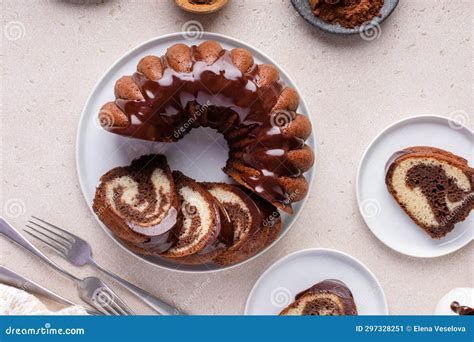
18,302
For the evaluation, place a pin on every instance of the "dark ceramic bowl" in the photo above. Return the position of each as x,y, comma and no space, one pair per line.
302,6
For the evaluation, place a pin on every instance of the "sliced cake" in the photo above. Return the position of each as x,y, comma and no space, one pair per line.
327,298
154,211
255,223
138,203
434,187
201,237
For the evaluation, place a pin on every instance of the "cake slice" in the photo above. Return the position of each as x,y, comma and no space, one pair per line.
327,298
138,203
255,223
434,187
201,237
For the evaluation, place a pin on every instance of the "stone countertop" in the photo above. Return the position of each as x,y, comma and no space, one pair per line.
53,52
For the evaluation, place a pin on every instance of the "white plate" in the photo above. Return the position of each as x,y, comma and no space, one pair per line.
463,295
379,209
198,155
276,288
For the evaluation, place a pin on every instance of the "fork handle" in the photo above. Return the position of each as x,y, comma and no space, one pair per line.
156,304
11,234
11,278
16,280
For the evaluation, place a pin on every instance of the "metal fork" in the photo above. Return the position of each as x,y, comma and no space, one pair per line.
11,278
92,290
78,252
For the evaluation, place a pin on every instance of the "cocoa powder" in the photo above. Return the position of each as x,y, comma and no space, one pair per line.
347,13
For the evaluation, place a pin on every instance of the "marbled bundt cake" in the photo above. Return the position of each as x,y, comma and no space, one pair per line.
434,187
208,86
139,204
154,211
327,298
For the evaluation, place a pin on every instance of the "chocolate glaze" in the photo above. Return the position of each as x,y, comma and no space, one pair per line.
223,239
222,231
227,228
438,187
251,215
160,237
224,91
263,212
462,310
336,287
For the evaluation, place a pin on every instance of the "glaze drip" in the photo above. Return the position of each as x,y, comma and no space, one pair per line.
219,96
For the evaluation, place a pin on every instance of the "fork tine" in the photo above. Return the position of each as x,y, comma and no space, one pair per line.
114,303
68,236
57,248
109,309
120,305
114,310
122,311
51,232
61,243
102,309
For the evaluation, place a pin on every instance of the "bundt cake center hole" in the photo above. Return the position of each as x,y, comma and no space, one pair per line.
203,152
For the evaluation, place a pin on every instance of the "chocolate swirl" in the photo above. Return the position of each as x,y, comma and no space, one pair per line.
138,203
438,188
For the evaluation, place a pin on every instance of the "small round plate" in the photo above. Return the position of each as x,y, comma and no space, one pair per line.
381,212
463,295
276,288
201,154
303,8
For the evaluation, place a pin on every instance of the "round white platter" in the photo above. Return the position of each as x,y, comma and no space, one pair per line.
201,154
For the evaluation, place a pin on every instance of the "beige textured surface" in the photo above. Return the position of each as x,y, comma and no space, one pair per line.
422,63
